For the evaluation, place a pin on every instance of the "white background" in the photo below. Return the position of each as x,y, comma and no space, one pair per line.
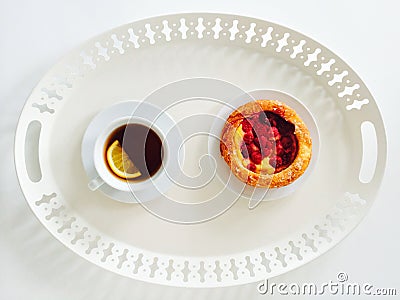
35,34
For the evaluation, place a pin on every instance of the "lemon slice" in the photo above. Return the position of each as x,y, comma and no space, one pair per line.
120,162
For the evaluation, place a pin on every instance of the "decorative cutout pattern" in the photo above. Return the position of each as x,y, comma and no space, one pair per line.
43,108
273,37
192,271
133,262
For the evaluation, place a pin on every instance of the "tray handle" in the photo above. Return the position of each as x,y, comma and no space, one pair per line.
31,151
374,156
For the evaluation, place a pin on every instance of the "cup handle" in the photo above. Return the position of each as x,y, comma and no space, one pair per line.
95,183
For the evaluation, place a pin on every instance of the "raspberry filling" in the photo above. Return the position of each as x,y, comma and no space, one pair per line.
268,136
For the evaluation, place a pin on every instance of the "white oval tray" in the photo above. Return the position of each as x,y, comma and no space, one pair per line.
241,245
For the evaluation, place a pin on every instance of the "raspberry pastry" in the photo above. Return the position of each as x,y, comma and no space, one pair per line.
266,144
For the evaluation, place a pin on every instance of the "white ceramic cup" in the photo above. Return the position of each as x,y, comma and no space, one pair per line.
104,173
93,151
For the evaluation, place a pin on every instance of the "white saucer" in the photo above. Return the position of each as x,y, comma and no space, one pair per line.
129,109
255,195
